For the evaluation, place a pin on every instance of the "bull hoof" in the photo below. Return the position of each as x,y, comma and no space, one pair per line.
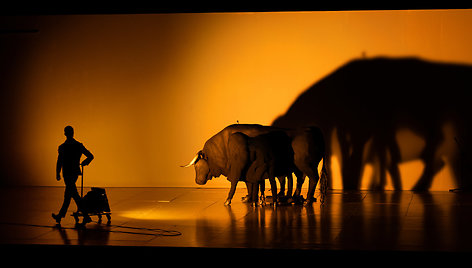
290,200
298,200
228,202
262,200
245,199
285,199
309,202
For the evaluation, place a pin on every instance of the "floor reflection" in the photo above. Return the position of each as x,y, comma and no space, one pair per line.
357,220
391,220
98,234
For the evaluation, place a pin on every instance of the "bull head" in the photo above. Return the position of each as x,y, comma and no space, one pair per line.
202,169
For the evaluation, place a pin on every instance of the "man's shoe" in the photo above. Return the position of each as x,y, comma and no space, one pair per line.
57,218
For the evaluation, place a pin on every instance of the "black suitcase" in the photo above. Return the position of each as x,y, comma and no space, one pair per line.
95,202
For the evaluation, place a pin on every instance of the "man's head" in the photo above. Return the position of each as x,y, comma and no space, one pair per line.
69,132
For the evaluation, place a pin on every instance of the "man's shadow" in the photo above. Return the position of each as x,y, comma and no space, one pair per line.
98,234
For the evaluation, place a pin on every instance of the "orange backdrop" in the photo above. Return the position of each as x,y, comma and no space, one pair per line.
144,92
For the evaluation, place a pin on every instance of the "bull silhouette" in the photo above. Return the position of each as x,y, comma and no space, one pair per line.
227,153
371,99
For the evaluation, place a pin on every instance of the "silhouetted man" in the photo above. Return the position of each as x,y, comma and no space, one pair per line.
69,161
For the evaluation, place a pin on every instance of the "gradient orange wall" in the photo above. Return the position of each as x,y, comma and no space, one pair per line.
144,92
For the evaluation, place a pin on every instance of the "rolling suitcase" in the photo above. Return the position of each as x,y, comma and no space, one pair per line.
95,202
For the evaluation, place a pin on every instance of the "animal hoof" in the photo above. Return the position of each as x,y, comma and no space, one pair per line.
244,199
310,201
262,200
298,199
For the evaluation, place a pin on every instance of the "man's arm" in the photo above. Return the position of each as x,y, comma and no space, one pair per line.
59,166
89,156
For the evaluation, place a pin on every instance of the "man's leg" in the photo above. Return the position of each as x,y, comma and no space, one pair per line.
65,204
71,192
78,201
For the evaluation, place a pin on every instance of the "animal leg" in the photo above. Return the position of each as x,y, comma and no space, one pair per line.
282,186
273,188
433,164
255,193
247,198
289,185
300,180
239,159
383,170
262,187
393,166
232,190
313,181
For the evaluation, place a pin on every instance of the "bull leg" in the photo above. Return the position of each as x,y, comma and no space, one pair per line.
255,193
383,170
247,198
282,186
393,167
432,163
353,172
300,180
253,189
273,188
232,190
289,185
345,150
313,181
262,186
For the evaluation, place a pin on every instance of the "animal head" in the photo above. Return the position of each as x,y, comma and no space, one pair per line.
202,169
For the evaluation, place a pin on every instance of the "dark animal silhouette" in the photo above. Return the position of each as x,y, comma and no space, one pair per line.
371,99
265,156
215,157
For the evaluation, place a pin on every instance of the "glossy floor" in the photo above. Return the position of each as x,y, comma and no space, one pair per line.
192,217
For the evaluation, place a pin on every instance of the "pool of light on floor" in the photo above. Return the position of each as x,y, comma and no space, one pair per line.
166,210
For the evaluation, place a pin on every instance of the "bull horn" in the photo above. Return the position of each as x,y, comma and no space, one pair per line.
193,161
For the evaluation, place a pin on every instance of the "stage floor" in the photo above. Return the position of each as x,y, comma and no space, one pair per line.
193,217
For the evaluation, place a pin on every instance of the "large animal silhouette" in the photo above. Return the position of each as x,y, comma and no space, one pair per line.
222,155
371,99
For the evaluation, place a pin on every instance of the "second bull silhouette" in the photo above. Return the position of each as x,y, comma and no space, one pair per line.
371,99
